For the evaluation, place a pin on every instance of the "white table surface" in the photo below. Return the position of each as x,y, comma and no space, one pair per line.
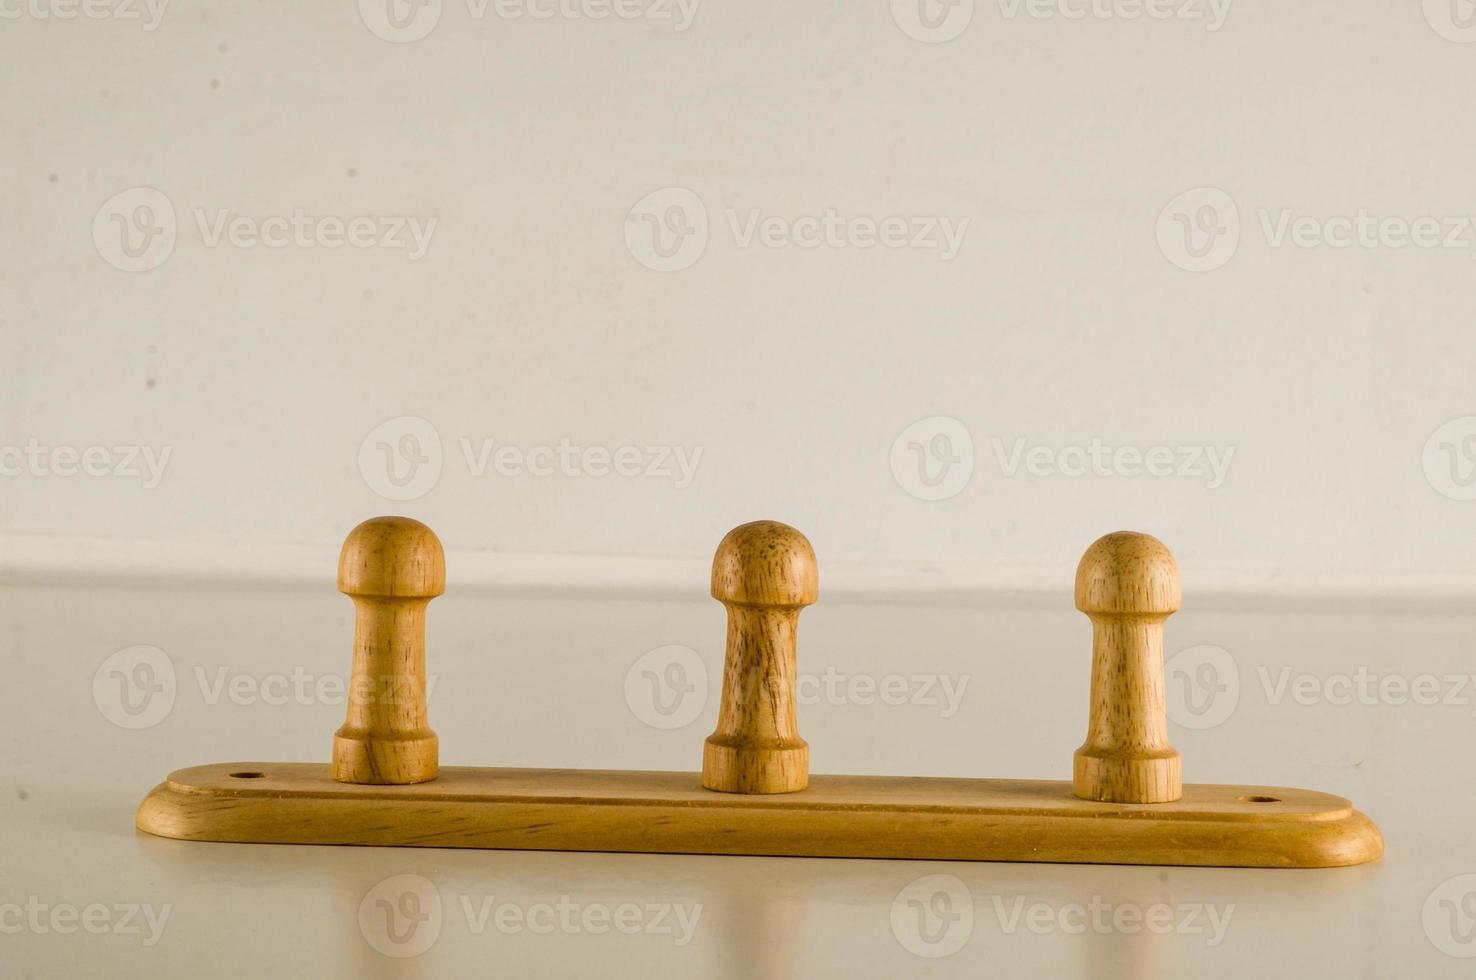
540,681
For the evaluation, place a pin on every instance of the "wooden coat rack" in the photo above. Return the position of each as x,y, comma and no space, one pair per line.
1125,803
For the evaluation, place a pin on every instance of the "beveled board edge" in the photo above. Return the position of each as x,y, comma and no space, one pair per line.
839,816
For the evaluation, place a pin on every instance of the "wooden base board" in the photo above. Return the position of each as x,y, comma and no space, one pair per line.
837,816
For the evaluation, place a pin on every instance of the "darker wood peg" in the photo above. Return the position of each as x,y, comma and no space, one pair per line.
1128,584
391,567
765,573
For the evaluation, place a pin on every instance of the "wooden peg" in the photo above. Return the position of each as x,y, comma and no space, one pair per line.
392,567
764,573
1128,584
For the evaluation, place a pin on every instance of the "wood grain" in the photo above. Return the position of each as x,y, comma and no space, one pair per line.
392,567
1125,804
1128,584
836,816
764,573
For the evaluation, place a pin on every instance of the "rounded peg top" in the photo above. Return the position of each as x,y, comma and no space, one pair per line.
765,563
1127,573
392,556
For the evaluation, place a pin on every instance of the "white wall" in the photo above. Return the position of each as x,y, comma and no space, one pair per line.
1062,318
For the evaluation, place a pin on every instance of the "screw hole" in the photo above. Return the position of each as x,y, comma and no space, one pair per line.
1259,799
247,775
